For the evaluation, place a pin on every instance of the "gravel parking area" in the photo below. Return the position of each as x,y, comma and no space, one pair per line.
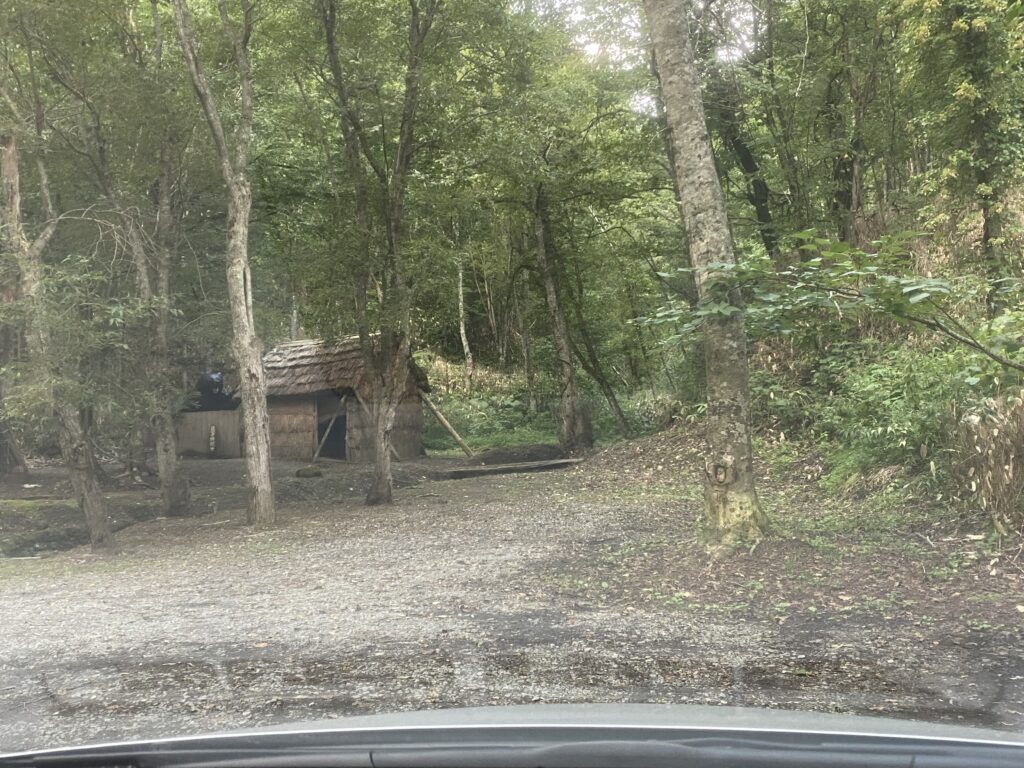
463,593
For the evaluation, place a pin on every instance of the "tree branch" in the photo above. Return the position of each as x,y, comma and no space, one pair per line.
187,37
349,118
239,44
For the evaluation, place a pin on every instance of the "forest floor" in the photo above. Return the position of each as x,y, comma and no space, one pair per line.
590,584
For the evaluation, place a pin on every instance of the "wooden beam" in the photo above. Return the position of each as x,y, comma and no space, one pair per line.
460,473
337,412
444,423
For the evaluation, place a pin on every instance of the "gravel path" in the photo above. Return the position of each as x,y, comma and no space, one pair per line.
454,596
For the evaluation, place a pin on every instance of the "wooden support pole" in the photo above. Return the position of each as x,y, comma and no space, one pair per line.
337,412
444,423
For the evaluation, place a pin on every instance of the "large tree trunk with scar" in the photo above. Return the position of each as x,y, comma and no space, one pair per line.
732,506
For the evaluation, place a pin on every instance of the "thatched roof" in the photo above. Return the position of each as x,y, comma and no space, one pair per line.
312,365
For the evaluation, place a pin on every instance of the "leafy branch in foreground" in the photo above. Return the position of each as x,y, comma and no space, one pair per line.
833,278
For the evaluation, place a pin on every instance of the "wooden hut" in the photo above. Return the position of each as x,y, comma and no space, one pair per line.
317,389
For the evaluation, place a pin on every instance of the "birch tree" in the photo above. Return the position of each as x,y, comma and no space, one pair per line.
467,352
732,506
233,155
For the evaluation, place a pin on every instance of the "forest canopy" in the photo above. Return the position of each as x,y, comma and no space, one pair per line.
494,190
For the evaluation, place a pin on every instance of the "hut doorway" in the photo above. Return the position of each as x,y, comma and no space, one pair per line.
332,424
306,381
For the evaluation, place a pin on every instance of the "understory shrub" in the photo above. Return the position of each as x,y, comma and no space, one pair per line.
901,408
487,421
870,406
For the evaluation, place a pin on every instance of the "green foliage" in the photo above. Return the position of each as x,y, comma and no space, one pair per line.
852,124
899,408
488,422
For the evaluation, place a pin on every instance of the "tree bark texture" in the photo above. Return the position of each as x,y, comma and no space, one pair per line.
175,490
732,506
248,354
234,162
76,450
575,433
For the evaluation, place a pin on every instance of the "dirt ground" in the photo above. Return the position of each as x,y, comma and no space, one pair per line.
590,584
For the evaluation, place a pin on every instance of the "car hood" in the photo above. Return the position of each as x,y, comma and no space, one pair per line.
566,717
651,716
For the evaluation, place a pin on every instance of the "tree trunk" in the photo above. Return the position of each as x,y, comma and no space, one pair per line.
526,342
76,448
152,277
248,354
388,392
175,494
731,502
991,248
153,282
175,490
575,432
389,367
466,351
13,467
591,361
780,127
381,487
234,162
730,116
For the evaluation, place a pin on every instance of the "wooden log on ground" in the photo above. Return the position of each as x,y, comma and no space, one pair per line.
461,473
